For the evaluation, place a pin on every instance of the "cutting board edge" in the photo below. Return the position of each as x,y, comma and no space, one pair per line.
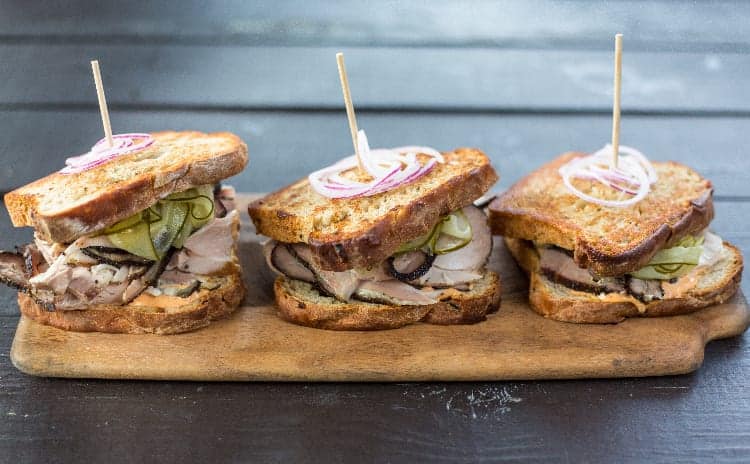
691,359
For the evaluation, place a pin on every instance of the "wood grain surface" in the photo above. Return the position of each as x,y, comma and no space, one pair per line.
254,344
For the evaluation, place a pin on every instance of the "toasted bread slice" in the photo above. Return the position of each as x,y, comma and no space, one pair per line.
63,207
714,286
301,303
347,233
197,311
608,241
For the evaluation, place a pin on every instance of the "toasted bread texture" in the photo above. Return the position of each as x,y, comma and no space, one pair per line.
713,286
302,304
347,233
197,311
63,207
608,241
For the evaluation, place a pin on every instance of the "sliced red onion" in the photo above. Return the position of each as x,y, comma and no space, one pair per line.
101,153
633,176
390,168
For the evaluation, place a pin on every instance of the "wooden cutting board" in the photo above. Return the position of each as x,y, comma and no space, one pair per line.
253,344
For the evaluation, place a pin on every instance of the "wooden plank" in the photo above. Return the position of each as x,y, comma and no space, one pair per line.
254,344
284,146
518,23
173,76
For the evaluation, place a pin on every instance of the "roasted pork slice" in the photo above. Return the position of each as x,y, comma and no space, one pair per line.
392,292
559,267
645,290
280,259
209,250
474,255
339,284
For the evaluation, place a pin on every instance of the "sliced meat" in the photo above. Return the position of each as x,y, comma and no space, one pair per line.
474,255
227,196
114,256
339,284
410,266
13,270
281,260
645,290
33,260
208,250
559,267
392,292
175,277
443,278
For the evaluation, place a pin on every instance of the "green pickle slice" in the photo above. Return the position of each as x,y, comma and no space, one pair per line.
151,233
673,262
451,233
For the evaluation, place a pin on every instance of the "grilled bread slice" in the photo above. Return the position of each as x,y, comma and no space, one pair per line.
63,207
301,303
347,233
713,286
608,241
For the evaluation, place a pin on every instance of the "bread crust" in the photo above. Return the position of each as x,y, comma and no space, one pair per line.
207,306
190,159
454,307
380,237
558,302
519,213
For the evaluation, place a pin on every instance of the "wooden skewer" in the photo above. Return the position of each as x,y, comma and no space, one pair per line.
349,107
616,102
102,102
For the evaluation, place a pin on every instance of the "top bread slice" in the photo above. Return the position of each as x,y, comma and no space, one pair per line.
63,207
360,232
609,241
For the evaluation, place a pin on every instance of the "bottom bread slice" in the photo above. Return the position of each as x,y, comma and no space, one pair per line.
562,303
301,303
197,311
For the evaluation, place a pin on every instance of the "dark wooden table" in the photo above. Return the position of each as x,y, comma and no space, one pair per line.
524,81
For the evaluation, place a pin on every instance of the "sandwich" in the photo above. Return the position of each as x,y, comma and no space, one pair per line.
136,237
395,242
602,244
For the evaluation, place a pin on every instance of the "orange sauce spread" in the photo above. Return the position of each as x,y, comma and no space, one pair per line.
623,298
684,283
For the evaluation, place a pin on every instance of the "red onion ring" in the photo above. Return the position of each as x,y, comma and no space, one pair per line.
390,168
633,176
100,153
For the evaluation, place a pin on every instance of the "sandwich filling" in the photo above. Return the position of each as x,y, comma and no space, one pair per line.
670,273
174,248
451,255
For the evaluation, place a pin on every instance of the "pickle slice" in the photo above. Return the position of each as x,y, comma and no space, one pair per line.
447,244
457,225
135,239
420,242
164,231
